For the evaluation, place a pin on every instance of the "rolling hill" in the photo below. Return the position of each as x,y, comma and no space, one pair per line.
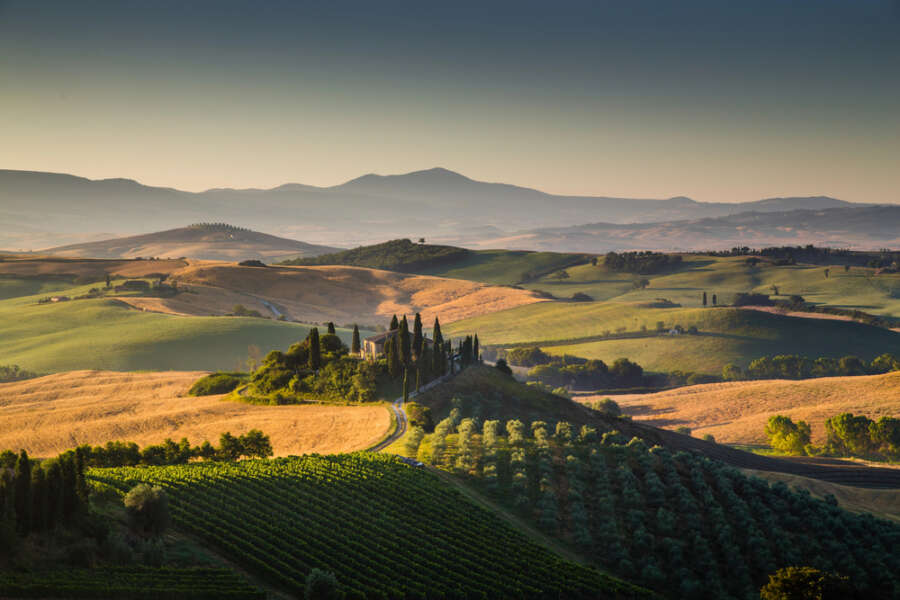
48,415
488,266
736,412
870,228
726,335
40,210
212,241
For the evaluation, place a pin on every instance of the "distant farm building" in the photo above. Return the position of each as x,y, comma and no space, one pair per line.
373,347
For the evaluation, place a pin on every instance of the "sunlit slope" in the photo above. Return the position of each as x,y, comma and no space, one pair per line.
108,334
726,276
725,334
736,412
50,414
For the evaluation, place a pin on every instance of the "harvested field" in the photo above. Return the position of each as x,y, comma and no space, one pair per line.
736,412
50,414
341,294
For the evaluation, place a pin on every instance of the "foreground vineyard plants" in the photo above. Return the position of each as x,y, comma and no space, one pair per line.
385,529
137,583
685,525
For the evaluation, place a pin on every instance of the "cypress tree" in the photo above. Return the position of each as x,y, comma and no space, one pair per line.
395,324
405,385
475,355
80,484
40,506
354,345
69,486
331,329
704,298
55,497
418,338
393,356
23,492
315,350
436,333
714,299
405,355
418,376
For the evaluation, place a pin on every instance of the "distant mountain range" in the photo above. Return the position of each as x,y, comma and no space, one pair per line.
864,227
40,210
202,241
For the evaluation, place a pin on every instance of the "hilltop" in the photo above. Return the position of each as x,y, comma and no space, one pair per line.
204,241
488,266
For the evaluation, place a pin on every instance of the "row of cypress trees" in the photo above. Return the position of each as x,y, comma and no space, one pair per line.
39,496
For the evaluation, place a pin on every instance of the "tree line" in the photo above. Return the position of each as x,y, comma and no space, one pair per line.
642,263
848,435
792,366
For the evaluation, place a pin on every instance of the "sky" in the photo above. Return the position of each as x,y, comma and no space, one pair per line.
716,100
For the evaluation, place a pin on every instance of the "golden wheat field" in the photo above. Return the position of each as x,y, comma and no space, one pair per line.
50,414
736,412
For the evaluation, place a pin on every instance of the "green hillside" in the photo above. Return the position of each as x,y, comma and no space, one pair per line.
385,529
108,334
505,267
684,525
726,276
724,334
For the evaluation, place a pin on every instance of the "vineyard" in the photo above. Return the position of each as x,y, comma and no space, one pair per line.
684,525
134,583
384,529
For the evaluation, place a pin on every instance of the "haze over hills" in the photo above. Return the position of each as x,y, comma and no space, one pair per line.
212,241
861,227
41,210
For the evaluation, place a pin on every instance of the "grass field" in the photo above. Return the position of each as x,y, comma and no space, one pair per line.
48,415
108,334
736,412
725,334
726,276
881,503
504,267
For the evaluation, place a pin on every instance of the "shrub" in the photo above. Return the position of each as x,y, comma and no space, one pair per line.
805,583
148,509
216,383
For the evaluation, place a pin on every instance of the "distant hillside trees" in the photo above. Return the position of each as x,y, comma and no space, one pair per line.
396,255
642,263
791,366
15,373
848,435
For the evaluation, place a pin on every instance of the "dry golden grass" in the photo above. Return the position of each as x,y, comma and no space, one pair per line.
50,414
338,293
310,294
44,266
881,503
736,412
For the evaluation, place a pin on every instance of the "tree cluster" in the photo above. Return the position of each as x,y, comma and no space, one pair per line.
396,255
253,444
15,373
791,366
641,263
848,435
39,496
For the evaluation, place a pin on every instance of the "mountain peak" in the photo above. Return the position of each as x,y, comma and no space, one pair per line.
435,174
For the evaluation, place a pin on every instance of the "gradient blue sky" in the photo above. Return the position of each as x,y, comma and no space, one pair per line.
717,100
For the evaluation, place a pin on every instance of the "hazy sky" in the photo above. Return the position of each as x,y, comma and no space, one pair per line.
719,100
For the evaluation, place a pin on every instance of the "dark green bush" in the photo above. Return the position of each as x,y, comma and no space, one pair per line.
216,383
